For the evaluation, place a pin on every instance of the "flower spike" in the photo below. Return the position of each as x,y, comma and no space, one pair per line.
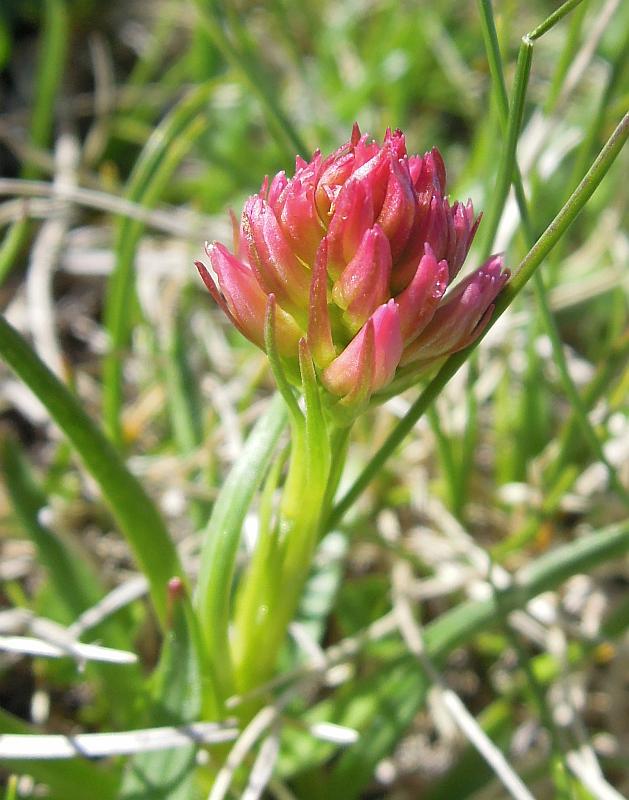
357,250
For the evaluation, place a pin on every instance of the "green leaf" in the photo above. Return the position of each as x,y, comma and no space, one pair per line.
175,700
222,538
133,509
50,69
396,694
168,144
471,772
398,688
76,586
380,706
323,582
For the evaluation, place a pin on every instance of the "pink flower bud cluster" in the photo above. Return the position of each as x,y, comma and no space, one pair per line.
358,249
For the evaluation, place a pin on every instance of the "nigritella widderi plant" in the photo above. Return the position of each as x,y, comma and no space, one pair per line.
344,275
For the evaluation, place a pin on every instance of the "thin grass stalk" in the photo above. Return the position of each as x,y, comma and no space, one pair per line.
253,76
50,70
511,119
508,162
169,143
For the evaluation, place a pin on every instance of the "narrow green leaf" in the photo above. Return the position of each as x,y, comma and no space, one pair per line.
11,790
553,19
245,62
175,700
454,628
380,705
168,144
184,402
471,772
133,509
511,117
507,162
50,70
76,586
324,580
397,695
222,538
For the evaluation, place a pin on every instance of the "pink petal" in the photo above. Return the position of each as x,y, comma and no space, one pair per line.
395,142
418,302
300,221
374,174
398,209
319,330
278,184
463,226
426,209
245,302
353,215
429,173
364,283
344,373
335,170
275,265
455,324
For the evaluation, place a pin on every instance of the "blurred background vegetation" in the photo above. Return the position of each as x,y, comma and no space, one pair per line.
155,118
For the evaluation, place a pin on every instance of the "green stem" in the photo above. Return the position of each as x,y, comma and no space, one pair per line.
339,442
561,474
456,627
271,590
508,158
553,19
571,391
470,439
522,275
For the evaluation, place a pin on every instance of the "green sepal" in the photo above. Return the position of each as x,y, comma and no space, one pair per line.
275,362
317,438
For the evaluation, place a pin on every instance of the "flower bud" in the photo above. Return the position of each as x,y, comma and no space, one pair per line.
357,250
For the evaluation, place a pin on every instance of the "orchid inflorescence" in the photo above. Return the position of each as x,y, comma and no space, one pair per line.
355,252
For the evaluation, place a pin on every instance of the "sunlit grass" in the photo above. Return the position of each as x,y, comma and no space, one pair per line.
514,484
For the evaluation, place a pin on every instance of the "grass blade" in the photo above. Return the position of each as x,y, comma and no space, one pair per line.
176,700
50,70
222,538
68,779
169,143
134,511
453,629
76,586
